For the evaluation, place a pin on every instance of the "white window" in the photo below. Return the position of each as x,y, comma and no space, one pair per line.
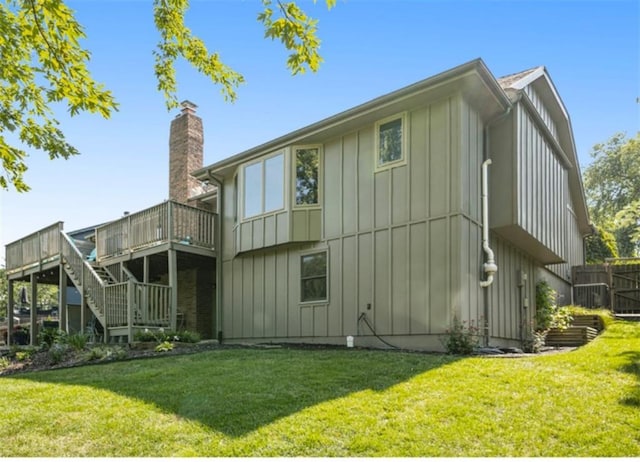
307,164
391,140
263,190
313,277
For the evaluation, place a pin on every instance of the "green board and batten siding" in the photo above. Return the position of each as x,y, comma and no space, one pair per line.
406,240
538,215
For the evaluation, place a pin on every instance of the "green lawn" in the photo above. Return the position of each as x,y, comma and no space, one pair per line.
282,402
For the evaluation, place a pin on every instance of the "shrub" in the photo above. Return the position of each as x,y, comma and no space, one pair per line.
57,352
548,315
186,336
146,336
164,346
462,339
4,363
22,354
105,353
48,337
162,335
535,341
77,341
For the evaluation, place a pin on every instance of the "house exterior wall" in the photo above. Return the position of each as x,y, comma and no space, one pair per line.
529,187
511,300
542,181
404,243
531,203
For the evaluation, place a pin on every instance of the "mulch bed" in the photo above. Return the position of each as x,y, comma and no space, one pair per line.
41,360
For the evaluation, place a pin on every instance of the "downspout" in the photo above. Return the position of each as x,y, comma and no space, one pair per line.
489,267
218,244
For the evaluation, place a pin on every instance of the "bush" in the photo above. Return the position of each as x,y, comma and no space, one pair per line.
77,341
162,335
105,353
57,352
548,314
535,341
22,354
164,346
186,336
460,339
48,337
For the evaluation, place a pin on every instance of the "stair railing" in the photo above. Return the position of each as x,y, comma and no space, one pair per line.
91,284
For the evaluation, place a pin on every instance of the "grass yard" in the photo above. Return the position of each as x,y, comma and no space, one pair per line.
287,402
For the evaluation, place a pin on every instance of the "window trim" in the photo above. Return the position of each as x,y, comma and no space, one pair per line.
294,176
262,161
404,143
300,279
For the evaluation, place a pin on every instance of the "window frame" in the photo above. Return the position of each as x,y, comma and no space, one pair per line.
404,142
294,176
262,162
302,255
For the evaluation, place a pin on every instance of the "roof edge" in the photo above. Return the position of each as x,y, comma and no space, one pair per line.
476,65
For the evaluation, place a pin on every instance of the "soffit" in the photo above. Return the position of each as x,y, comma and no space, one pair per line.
471,80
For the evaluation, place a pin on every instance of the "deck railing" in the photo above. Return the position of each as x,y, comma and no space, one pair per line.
116,302
35,249
153,302
151,305
166,222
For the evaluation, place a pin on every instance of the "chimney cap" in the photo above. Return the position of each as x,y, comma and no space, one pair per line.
188,107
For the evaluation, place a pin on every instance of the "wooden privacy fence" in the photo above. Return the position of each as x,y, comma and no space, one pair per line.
613,286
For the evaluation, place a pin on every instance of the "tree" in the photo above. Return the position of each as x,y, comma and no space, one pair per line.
612,184
600,246
40,38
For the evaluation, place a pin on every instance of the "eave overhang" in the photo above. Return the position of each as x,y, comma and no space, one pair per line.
473,80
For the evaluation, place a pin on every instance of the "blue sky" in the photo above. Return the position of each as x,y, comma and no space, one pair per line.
371,47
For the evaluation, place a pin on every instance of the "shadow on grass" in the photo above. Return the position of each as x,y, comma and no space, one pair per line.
236,391
632,366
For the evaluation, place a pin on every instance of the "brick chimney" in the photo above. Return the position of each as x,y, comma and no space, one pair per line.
186,141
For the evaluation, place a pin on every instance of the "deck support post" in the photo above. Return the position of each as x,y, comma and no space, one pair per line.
83,321
10,306
145,293
34,309
62,300
130,303
173,283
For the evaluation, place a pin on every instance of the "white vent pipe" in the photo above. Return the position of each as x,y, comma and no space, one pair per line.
489,267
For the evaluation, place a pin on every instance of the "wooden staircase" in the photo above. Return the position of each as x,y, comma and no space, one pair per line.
90,280
121,305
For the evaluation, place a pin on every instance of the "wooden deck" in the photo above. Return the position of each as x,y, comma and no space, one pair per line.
156,229
167,223
117,299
